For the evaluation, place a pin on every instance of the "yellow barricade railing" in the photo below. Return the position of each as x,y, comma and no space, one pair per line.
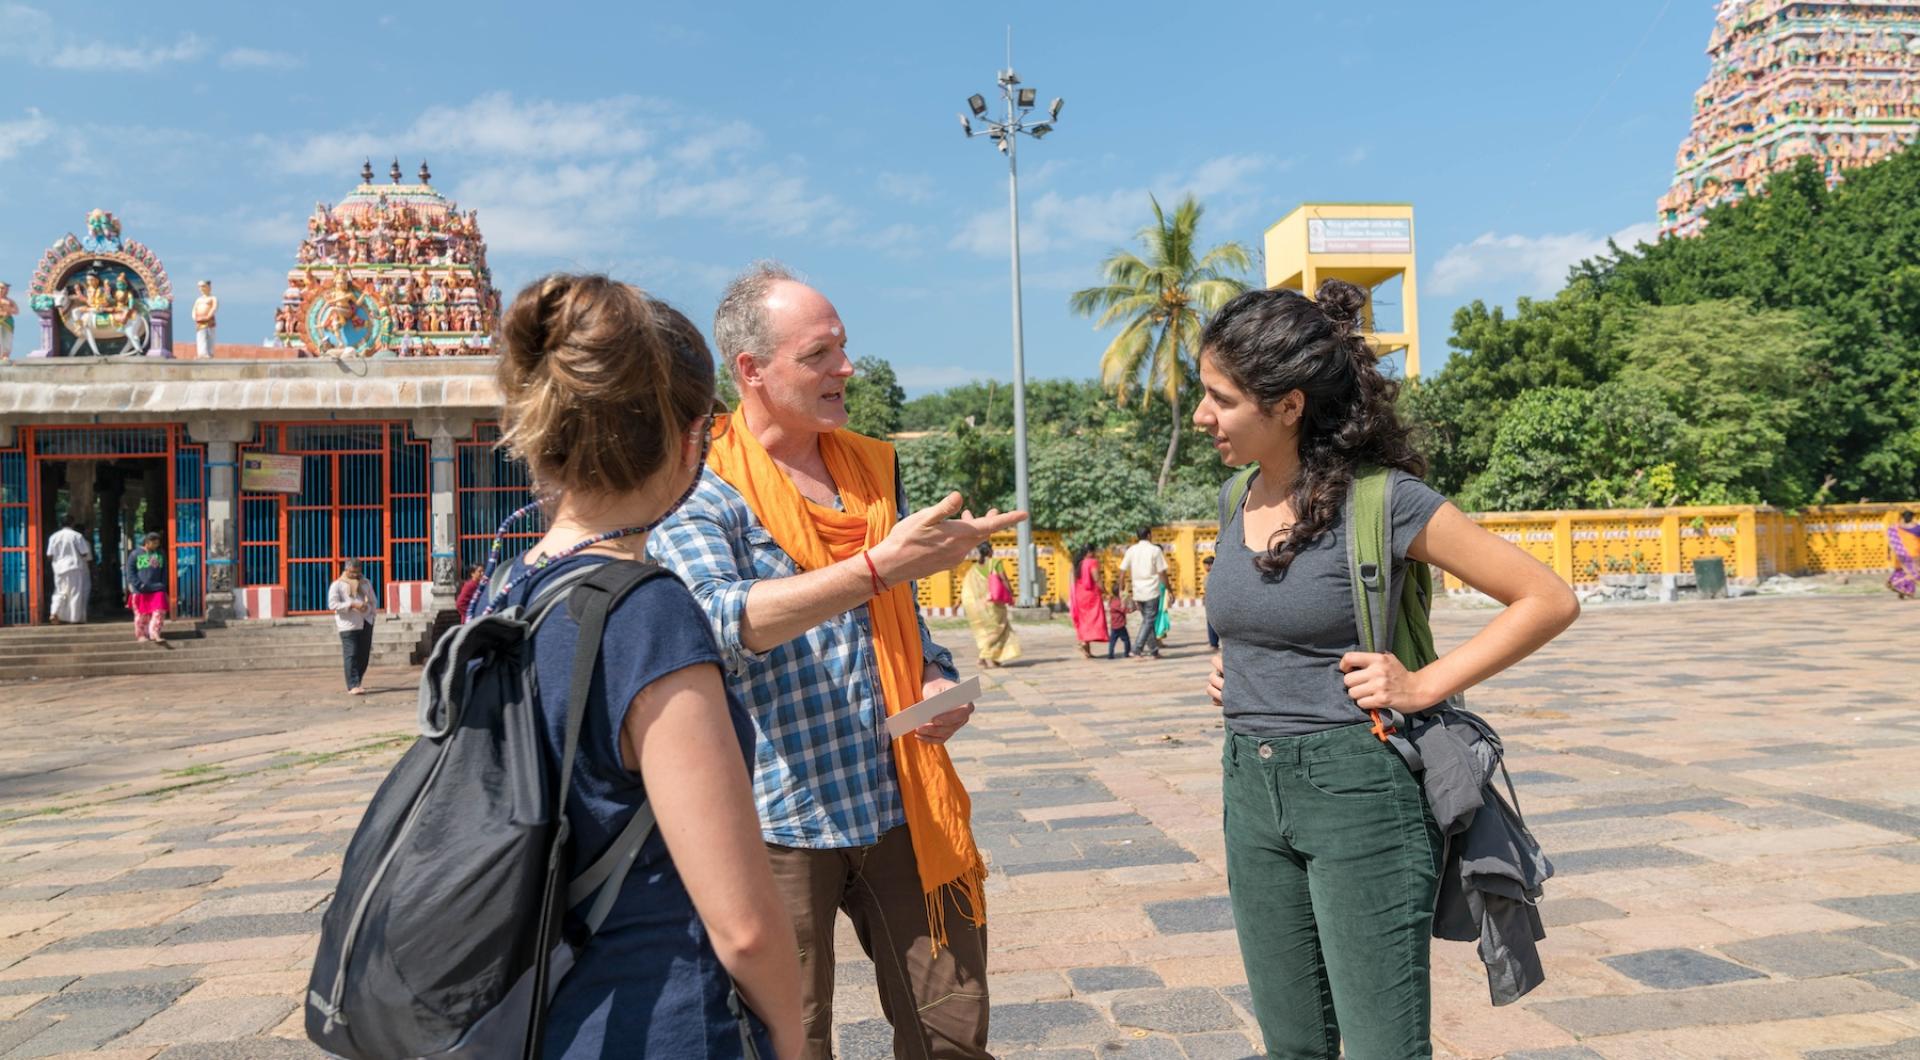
1755,541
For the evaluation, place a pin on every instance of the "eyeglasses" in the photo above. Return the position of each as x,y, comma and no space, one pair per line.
718,420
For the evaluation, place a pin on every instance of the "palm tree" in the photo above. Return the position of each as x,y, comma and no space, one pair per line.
1165,297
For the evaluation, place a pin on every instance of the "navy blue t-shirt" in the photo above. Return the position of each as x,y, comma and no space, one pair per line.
649,982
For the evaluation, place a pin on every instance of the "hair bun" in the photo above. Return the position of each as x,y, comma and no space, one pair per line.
1342,302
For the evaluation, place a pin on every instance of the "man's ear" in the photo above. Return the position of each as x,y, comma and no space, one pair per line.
746,369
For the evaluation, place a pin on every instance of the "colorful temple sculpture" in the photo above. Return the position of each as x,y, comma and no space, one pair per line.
1837,81
101,295
393,269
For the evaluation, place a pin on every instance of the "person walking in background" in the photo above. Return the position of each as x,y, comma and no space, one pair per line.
797,543
1146,569
469,588
72,560
353,602
609,399
1087,603
1118,604
1903,541
1206,571
985,596
146,578
1333,856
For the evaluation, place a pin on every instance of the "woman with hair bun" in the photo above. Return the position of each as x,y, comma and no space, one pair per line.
609,398
1333,860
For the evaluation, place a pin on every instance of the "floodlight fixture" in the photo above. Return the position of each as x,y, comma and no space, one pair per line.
1040,131
1027,96
978,103
1053,112
967,125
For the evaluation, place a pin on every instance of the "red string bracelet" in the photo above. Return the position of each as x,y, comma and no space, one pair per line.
879,587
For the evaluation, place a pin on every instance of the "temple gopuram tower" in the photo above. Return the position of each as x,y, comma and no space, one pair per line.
394,268
1833,80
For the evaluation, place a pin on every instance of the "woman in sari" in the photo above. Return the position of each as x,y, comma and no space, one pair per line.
1903,540
992,628
1089,610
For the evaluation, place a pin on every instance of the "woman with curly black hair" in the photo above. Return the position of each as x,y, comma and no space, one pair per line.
1333,861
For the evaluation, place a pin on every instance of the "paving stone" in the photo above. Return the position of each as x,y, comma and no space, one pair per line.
250,1049
46,984
866,1040
1906,982
1610,859
1901,1050
1904,823
1188,915
1049,1023
1637,809
1068,823
1112,977
212,1021
1143,1049
1184,1011
83,1030
162,976
118,938
1567,1052
1112,856
258,925
20,1029
1222,1046
1886,908
1560,912
1523,777
1809,956
152,880
1240,994
158,995
1735,1005
1676,969
1901,939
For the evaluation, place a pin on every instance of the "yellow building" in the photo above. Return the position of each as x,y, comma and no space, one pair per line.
1367,244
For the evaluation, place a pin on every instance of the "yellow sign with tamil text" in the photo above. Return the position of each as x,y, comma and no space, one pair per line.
269,473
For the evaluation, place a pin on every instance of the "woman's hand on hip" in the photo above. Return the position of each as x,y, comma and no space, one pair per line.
1378,681
1217,680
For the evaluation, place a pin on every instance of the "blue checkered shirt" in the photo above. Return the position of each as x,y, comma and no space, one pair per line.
823,766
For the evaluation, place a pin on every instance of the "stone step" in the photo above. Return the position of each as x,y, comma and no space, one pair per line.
110,651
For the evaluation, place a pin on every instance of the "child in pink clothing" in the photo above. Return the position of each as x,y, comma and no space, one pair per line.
1117,608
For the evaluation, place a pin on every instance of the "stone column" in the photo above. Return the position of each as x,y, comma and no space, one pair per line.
223,510
160,341
441,434
48,340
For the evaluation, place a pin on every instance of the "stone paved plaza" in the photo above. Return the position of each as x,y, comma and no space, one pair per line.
1729,791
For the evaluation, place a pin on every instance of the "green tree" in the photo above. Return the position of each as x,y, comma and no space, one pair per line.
1162,299
1084,488
874,399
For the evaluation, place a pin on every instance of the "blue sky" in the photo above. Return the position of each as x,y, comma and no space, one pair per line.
671,144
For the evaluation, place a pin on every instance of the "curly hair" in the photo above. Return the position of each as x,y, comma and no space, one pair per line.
1270,343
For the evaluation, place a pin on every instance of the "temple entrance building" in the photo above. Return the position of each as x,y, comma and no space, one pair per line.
1837,81
359,435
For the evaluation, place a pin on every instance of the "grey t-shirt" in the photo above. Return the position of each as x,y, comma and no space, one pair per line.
1283,640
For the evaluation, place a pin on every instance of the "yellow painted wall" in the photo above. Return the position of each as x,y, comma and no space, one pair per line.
1756,542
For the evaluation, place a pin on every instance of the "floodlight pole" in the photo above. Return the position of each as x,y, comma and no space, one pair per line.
1028,564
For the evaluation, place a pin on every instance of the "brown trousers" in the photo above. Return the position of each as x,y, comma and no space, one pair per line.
937,1005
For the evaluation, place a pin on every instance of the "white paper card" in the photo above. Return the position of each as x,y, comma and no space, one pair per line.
927,709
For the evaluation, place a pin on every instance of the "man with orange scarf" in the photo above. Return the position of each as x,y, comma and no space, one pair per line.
797,545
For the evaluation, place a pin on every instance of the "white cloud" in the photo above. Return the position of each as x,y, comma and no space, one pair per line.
17,136
260,59
495,125
911,187
1537,265
1227,185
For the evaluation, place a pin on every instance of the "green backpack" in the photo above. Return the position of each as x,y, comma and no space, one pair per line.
1368,514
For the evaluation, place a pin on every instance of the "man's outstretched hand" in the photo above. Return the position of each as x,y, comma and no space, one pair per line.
937,538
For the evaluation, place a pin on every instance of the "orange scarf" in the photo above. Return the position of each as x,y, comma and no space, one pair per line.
939,813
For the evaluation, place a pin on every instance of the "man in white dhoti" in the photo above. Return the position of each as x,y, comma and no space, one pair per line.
72,573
